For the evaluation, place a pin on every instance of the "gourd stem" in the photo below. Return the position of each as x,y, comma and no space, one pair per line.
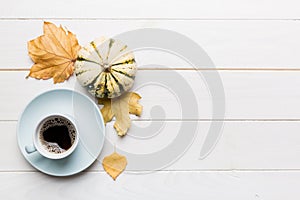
106,67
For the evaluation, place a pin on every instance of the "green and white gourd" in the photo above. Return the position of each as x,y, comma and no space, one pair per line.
106,68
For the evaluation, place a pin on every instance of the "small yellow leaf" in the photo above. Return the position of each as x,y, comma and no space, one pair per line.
53,54
114,164
120,107
134,106
106,110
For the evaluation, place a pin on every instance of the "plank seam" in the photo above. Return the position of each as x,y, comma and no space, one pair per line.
194,120
182,69
166,171
144,18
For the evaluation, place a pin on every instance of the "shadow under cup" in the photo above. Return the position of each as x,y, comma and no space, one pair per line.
56,136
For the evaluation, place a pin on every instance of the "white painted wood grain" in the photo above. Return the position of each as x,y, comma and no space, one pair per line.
230,44
248,94
254,159
243,146
229,9
159,185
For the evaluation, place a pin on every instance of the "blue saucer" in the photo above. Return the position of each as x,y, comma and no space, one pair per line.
89,122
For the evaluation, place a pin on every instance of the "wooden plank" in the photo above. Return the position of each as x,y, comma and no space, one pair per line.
248,94
236,44
229,9
243,146
159,185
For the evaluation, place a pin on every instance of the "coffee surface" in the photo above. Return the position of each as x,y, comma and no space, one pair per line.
59,135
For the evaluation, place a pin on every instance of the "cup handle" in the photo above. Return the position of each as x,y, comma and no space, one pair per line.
30,149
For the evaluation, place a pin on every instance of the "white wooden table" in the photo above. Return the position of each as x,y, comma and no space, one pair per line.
255,46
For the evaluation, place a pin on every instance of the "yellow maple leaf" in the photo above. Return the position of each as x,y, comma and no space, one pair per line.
114,164
53,54
120,107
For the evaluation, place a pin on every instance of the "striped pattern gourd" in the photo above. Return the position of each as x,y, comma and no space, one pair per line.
106,68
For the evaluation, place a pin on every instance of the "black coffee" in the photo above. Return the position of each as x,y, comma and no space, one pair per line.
59,135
